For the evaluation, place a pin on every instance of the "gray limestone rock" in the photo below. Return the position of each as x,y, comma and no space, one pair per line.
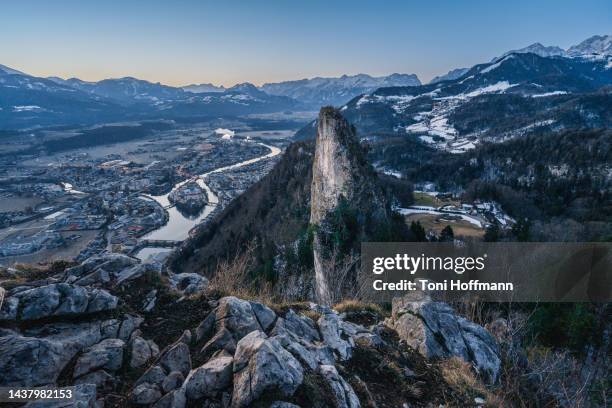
210,378
108,355
262,365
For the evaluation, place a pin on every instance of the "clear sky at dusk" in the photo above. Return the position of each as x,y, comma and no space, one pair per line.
225,42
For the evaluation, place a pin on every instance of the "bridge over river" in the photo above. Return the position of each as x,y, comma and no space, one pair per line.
153,243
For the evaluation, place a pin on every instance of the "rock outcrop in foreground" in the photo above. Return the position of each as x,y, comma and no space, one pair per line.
437,332
133,337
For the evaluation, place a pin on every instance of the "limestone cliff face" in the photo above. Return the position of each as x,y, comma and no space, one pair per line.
335,166
342,180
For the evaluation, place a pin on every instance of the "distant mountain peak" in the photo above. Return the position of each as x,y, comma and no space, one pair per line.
597,44
203,88
9,71
538,49
450,75
243,87
246,88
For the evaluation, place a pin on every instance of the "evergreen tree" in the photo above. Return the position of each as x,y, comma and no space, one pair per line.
492,234
418,231
521,230
447,234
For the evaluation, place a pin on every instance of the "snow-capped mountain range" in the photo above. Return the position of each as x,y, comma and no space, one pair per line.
316,92
336,91
27,101
598,46
519,93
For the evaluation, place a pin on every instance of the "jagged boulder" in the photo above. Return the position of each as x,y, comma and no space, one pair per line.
436,331
57,299
37,355
297,326
145,394
99,269
344,395
237,316
30,361
188,283
134,272
108,354
154,375
176,358
230,321
262,365
173,381
222,340
128,325
141,351
311,355
173,399
333,336
210,378
264,315
100,300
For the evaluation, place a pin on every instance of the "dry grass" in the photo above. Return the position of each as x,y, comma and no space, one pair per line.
351,305
312,315
342,270
283,307
460,376
232,278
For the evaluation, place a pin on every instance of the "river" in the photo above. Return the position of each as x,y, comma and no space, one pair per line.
178,226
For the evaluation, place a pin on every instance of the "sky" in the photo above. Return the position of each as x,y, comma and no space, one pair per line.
180,42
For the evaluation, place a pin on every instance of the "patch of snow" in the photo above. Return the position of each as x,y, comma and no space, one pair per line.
496,65
225,134
500,86
553,93
433,211
394,173
54,215
364,99
26,108
427,139
401,102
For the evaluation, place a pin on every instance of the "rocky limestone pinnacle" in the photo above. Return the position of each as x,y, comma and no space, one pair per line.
333,167
340,175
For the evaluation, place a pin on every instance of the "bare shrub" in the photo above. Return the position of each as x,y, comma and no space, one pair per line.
232,278
343,271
